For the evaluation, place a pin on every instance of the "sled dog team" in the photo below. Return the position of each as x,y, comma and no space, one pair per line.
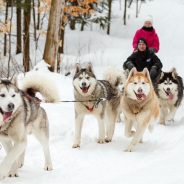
134,95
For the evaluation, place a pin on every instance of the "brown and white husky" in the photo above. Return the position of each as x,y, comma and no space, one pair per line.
140,106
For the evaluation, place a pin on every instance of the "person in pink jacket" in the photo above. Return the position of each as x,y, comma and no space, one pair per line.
149,34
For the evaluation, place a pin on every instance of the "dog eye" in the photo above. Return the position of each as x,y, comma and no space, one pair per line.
135,82
13,95
80,78
143,82
2,95
87,77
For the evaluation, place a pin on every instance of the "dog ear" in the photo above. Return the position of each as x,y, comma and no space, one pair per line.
132,72
126,73
161,75
174,73
77,67
146,73
89,67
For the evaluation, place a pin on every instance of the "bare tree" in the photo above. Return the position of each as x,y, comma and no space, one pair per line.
9,58
109,16
125,12
53,39
27,17
5,36
19,27
61,45
34,20
137,8
38,16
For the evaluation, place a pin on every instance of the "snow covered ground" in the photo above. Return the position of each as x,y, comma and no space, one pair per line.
159,160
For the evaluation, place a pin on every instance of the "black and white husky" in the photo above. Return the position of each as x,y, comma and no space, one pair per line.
170,93
21,113
88,91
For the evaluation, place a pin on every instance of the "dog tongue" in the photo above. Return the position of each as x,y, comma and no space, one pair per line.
170,96
6,116
141,96
85,90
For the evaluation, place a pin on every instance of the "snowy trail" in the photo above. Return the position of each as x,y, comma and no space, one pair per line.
158,160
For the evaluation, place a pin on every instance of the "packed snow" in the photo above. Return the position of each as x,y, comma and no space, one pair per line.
159,160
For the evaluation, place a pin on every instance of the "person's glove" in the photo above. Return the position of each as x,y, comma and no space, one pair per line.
129,65
153,72
152,50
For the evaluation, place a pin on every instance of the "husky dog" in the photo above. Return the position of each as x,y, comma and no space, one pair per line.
116,77
170,93
87,91
19,114
140,106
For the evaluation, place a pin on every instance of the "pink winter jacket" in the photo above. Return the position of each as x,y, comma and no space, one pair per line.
150,36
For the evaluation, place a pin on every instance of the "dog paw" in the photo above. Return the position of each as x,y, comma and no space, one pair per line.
169,122
48,167
107,140
101,141
129,149
162,122
141,141
76,146
13,174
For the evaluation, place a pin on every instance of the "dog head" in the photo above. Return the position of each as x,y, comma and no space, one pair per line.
84,80
168,85
10,99
138,85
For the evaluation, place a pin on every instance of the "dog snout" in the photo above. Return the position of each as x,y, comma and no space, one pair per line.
168,89
139,90
83,84
11,106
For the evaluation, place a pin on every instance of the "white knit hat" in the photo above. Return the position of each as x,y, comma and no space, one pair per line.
148,18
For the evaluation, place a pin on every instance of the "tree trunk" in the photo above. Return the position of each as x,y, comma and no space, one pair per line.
26,57
34,20
38,16
52,40
137,8
61,46
9,58
5,35
19,28
125,12
72,24
130,2
109,16
82,25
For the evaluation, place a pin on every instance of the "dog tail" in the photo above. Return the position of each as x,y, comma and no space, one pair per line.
114,76
41,82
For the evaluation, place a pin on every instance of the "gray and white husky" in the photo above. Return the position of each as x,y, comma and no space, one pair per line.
170,93
87,91
20,114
